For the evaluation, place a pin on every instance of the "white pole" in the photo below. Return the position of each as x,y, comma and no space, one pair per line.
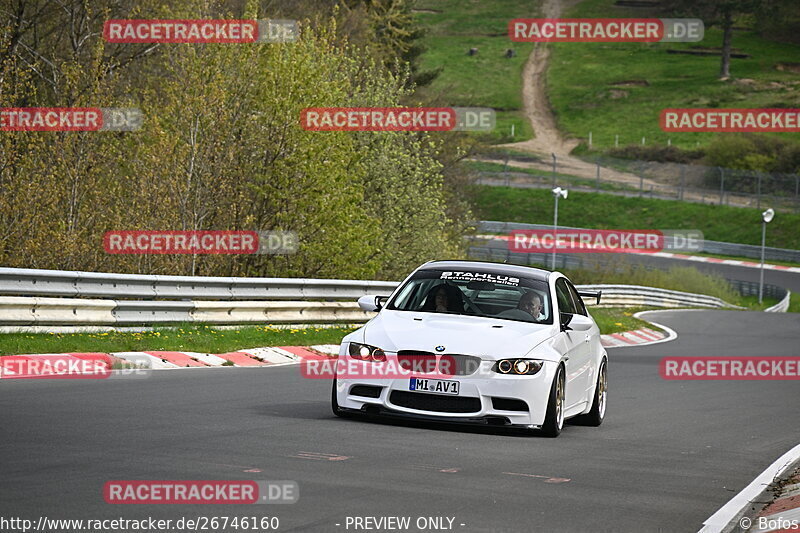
512,131
616,141
761,277
590,139
555,230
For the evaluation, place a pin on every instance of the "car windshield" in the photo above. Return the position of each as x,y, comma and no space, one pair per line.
476,293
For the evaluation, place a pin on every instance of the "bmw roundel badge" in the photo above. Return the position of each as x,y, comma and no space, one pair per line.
440,348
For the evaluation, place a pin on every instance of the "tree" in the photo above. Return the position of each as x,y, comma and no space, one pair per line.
720,13
220,148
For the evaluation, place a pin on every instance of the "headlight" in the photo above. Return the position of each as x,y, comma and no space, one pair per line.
521,367
365,352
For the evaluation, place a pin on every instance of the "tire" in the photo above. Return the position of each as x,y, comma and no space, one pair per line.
599,403
335,403
554,419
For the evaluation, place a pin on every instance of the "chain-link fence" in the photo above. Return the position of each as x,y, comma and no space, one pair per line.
650,179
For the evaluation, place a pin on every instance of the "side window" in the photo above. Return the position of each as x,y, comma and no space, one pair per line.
579,305
565,303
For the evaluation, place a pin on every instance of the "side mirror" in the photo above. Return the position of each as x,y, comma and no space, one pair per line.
581,323
371,303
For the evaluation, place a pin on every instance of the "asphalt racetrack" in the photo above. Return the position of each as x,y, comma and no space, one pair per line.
669,454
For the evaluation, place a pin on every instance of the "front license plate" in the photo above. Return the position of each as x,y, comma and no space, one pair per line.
437,386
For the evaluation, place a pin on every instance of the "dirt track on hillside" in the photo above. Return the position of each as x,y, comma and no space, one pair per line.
537,108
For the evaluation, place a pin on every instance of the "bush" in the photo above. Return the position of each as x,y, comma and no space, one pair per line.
750,155
661,154
747,151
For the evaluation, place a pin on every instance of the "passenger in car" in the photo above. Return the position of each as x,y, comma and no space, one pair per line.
444,298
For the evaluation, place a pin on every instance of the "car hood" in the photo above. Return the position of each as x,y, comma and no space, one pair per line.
488,338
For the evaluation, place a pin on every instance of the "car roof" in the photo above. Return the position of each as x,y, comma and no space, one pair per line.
495,268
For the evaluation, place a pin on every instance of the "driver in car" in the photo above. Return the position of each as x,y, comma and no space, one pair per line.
529,308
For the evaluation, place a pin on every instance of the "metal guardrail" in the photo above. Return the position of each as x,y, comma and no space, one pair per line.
33,282
668,181
26,306
37,310
782,306
639,296
711,247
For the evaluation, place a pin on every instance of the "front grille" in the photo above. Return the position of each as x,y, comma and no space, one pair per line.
508,404
435,402
448,364
417,362
367,391
459,365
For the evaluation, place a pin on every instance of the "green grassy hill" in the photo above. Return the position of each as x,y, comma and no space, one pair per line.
620,88
487,79
606,88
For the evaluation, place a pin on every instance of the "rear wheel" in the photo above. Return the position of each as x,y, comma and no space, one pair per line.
598,412
554,419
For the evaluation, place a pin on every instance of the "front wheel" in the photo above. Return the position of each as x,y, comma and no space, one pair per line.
554,419
334,402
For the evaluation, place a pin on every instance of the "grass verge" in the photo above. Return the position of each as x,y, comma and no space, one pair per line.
602,211
619,319
193,338
206,339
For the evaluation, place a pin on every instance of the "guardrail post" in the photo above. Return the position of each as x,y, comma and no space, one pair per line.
721,185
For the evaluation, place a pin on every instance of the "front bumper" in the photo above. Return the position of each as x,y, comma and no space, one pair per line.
482,399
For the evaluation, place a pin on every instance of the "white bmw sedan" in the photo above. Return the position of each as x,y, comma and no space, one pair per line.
475,342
